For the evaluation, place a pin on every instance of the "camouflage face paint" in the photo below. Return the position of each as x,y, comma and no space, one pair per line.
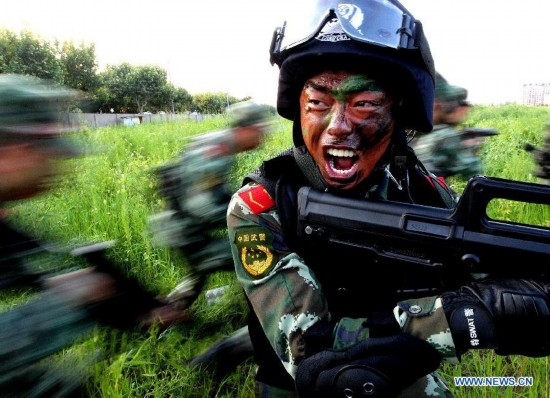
347,121
350,85
355,84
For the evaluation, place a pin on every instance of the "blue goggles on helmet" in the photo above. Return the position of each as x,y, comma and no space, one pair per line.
379,22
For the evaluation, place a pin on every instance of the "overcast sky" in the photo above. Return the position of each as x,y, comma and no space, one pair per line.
491,47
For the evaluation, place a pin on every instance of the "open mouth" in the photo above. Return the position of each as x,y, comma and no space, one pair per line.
341,163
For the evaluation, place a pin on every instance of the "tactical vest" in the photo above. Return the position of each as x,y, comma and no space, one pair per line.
353,286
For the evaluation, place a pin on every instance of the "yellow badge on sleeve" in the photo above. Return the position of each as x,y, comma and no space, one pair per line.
255,245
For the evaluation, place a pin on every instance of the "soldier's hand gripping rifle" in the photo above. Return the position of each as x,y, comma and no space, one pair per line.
432,249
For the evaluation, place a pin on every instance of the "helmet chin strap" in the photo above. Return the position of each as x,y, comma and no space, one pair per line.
297,137
309,168
395,162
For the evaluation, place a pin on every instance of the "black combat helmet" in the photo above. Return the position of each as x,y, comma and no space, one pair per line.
378,37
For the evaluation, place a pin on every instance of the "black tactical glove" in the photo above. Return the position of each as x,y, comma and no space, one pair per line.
377,367
511,316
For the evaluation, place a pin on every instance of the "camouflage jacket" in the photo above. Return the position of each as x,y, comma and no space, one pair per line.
30,332
203,170
442,153
542,157
197,196
287,297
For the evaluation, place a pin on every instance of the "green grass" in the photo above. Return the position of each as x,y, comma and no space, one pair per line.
110,194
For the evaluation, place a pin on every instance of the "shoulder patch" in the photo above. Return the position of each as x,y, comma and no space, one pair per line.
258,199
255,246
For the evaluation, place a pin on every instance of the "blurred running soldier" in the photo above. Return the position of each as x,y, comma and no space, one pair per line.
196,188
65,306
443,151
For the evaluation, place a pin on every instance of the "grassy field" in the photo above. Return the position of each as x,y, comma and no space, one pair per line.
109,195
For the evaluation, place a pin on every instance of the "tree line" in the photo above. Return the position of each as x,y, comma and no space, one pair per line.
122,88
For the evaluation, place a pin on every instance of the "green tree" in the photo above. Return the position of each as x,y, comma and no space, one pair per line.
101,101
133,87
173,99
164,100
212,102
8,41
79,66
29,54
182,100
145,83
112,87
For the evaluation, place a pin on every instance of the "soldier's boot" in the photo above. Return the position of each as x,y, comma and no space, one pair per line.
186,292
224,356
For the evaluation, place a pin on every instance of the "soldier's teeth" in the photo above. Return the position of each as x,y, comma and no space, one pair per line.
343,153
333,167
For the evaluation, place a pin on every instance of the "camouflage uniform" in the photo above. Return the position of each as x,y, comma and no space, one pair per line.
288,296
48,322
37,329
440,151
52,320
542,157
200,201
309,301
60,310
195,186
197,210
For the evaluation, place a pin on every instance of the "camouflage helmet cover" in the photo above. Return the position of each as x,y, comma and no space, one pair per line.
30,109
246,113
448,92
27,100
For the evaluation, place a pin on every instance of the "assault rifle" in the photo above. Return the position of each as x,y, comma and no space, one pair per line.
439,249
477,132
473,137
448,247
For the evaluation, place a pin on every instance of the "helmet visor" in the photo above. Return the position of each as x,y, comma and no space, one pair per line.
379,22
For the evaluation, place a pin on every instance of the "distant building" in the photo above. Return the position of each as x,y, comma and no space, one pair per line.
536,94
